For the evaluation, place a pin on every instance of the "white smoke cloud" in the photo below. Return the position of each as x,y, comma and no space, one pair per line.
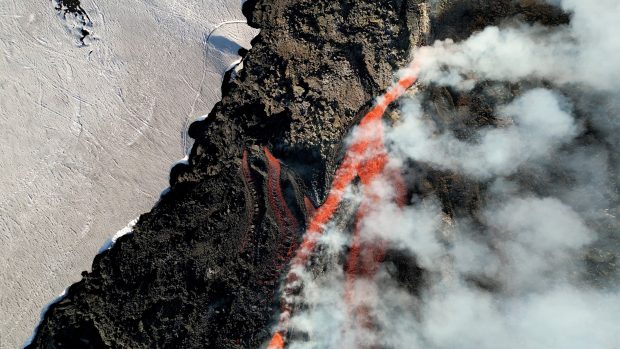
539,238
559,317
533,253
515,275
541,124
582,52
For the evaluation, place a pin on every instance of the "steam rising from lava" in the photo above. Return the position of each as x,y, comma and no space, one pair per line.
536,265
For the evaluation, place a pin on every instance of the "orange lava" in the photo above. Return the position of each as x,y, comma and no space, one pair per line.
310,209
277,341
249,199
284,217
365,158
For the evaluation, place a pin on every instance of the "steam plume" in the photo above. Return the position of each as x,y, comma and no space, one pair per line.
535,265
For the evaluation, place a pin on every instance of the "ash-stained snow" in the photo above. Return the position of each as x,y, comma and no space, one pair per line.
89,128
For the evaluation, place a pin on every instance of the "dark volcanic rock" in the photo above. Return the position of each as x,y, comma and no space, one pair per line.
75,18
202,269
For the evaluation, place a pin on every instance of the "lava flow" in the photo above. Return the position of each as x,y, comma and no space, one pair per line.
284,217
250,204
365,158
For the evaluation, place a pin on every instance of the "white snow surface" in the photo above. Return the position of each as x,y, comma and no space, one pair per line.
88,133
106,245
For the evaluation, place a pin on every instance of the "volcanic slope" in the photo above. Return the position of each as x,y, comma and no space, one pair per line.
203,268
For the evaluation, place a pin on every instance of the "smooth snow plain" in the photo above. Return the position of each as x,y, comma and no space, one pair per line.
88,132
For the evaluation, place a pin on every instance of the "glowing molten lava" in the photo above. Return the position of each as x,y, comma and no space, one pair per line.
365,158
285,219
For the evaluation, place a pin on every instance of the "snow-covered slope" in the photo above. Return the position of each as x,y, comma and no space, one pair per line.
89,128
